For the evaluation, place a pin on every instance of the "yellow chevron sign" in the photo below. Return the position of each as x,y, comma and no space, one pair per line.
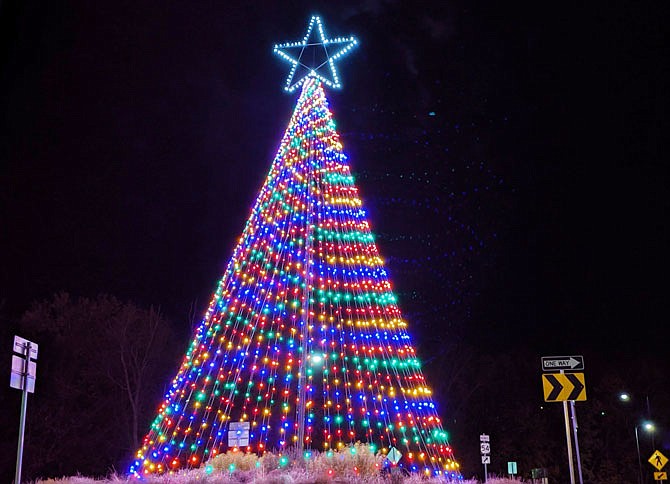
561,387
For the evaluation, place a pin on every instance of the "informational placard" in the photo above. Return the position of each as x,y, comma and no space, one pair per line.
20,345
485,449
17,377
238,434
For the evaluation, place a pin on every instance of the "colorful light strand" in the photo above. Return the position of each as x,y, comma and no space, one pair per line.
305,289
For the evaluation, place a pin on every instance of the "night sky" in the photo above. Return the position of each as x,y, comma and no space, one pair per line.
509,158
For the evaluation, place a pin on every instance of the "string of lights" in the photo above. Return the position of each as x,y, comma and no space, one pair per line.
303,338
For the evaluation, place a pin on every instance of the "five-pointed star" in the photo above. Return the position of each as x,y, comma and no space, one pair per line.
314,57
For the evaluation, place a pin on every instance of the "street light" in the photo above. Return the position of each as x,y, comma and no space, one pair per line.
649,427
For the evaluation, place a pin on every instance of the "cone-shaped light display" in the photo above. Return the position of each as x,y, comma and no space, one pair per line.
303,338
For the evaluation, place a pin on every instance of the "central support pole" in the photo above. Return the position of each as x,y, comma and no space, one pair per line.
306,319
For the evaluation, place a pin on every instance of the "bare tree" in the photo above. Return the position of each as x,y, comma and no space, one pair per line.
102,366
135,339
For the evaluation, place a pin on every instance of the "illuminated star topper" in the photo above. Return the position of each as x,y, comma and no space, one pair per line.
314,56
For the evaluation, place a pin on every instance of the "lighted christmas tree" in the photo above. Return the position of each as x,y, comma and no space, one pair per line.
303,340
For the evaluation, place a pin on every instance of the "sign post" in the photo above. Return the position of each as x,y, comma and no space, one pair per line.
23,378
560,386
568,442
574,432
539,475
511,469
485,448
658,460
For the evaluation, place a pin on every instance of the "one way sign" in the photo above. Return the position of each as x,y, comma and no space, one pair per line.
557,363
561,387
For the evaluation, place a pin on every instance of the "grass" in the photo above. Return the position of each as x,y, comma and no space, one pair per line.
290,476
356,464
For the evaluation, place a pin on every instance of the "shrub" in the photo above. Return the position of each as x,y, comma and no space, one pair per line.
233,460
358,460
269,462
276,476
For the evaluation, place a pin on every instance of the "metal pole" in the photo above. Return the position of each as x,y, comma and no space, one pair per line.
24,405
568,441
653,439
302,392
306,319
639,460
486,474
574,431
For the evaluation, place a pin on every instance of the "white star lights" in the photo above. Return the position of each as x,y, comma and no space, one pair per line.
314,57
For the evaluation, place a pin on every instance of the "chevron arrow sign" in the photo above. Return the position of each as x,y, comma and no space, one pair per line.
562,387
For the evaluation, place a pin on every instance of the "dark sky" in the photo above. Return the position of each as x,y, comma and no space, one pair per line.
135,136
